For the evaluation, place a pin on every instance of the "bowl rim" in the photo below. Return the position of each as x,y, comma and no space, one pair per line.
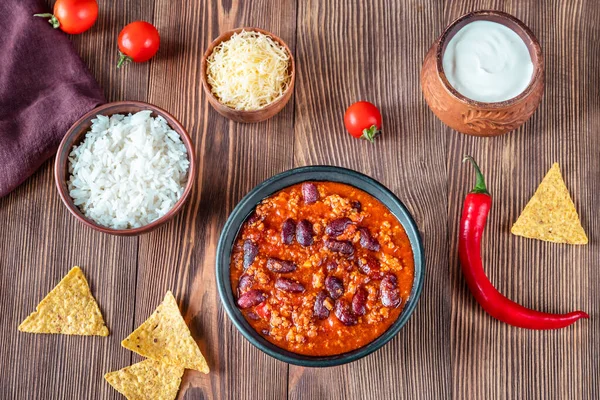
531,43
226,36
272,185
72,135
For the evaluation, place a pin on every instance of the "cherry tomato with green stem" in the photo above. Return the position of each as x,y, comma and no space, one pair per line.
363,120
138,42
73,16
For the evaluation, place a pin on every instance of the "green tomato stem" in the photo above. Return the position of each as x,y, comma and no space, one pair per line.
123,59
371,133
53,20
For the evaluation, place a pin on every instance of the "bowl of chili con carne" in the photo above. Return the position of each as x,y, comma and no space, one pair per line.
320,266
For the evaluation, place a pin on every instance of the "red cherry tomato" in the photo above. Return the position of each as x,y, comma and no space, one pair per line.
138,41
363,120
73,16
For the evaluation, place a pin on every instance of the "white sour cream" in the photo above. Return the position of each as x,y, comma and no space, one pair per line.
487,61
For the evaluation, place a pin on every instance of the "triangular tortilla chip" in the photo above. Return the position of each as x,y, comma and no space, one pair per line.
166,338
550,214
69,309
147,380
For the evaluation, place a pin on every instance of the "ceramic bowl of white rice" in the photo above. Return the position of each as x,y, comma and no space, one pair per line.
125,168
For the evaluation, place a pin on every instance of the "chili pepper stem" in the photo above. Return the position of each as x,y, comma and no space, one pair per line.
371,133
123,59
53,20
480,181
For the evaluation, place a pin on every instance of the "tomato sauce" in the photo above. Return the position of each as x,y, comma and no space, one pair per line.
321,268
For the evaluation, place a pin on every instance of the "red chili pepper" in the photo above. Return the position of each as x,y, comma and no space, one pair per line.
474,216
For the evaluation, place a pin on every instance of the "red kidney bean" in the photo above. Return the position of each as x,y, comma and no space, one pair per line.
252,315
334,286
287,231
336,227
367,241
319,310
265,332
244,283
344,313
250,252
359,301
253,218
355,204
289,285
281,266
310,192
332,266
340,246
251,298
305,233
390,295
369,266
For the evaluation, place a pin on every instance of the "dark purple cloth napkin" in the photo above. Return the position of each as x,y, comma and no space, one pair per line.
44,89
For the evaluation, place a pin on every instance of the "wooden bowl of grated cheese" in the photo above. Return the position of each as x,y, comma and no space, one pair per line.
248,74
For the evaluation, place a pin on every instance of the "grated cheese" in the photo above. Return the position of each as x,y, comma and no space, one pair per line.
248,71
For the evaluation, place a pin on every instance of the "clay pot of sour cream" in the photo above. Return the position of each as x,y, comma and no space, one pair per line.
487,81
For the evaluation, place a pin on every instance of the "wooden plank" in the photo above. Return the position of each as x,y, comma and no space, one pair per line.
232,158
40,241
346,51
491,359
372,50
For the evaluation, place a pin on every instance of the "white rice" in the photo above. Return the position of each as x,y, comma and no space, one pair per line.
128,171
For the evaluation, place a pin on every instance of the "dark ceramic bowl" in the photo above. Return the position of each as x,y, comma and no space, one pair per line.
77,133
281,181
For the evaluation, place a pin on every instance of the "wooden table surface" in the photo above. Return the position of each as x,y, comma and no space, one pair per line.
345,51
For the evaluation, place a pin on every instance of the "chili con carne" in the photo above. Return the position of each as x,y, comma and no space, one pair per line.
321,268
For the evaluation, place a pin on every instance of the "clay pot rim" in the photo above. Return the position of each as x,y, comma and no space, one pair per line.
269,109
532,44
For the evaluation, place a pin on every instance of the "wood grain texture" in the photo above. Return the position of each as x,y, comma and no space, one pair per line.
345,51
491,359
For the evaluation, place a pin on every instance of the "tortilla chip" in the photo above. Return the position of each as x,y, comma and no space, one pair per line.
69,309
166,338
550,215
147,380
